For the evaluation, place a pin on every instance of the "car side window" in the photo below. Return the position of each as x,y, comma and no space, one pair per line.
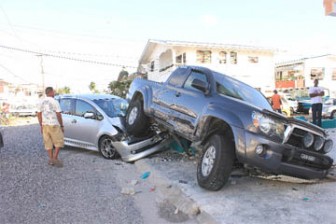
194,75
66,106
82,107
178,77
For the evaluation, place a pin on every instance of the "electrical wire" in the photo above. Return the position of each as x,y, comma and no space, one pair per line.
66,57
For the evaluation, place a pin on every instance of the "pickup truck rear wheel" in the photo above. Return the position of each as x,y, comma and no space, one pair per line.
137,123
215,164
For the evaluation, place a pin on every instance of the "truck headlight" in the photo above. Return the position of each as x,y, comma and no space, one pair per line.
308,140
268,125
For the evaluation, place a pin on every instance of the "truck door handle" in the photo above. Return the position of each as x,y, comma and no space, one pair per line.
177,94
74,121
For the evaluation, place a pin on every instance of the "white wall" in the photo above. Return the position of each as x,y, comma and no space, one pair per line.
259,75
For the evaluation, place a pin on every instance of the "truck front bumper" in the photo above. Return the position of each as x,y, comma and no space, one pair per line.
277,158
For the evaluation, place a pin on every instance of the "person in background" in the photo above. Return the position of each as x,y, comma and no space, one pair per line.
315,94
276,101
5,112
50,119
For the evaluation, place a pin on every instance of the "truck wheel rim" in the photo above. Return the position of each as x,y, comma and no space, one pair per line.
208,160
133,115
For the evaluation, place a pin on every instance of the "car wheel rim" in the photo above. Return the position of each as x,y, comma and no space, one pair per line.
208,160
133,115
107,148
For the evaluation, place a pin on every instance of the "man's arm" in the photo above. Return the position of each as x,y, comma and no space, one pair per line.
59,118
39,118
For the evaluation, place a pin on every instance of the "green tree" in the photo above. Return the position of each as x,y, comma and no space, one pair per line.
119,88
63,90
92,87
123,75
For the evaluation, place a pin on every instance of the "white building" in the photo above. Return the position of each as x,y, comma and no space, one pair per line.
303,71
252,65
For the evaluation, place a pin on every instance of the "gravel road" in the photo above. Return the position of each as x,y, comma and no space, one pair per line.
86,190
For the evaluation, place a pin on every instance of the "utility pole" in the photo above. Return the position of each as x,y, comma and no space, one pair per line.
42,71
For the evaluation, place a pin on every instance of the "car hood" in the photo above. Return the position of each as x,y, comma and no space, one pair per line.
118,122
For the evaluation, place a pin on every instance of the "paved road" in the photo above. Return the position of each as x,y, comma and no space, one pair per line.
86,190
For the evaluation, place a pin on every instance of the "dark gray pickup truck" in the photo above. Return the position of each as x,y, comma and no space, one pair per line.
231,122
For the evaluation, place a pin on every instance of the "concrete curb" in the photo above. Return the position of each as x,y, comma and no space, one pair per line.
171,192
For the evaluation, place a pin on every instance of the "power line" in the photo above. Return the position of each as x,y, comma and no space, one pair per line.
66,57
10,72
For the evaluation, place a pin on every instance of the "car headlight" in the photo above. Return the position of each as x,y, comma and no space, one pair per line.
308,140
268,125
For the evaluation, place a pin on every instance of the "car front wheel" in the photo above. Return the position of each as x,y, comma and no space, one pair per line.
106,148
215,164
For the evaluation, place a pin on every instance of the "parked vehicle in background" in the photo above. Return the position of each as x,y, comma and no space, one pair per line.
96,122
23,110
231,122
329,108
304,103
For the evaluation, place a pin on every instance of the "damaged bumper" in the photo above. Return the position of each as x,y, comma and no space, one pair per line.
132,149
277,158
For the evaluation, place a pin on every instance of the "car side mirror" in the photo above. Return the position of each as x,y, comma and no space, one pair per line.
89,115
200,85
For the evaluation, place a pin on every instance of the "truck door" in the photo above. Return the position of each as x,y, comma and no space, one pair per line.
164,98
189,105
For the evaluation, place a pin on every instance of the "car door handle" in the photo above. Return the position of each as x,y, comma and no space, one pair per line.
177,94
74,121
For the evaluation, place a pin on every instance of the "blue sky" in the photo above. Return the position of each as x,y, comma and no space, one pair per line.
122,28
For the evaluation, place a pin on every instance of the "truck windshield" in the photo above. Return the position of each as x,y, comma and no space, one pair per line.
233,88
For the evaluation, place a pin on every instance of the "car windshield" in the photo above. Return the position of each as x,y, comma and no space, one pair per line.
233,88
113,107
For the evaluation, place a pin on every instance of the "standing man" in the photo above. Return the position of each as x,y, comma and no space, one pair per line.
50,119
316,94
276,101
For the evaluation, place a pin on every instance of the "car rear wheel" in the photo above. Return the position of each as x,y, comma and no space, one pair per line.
106,148
215,164
137,123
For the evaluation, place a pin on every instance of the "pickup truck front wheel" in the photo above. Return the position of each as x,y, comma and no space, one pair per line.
137,123
215,164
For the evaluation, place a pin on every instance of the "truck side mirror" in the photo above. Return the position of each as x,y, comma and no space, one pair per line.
200,85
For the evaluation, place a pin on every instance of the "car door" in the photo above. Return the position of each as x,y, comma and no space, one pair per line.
83,131
189,104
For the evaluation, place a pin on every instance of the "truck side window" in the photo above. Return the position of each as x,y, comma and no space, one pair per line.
178,77
192,76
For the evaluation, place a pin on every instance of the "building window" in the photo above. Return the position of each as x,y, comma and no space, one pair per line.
333,75
181,59
222,57
233,57
152,66
317,73
253,59
203,57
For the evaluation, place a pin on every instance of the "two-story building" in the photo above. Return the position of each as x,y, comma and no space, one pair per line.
250,64
299,74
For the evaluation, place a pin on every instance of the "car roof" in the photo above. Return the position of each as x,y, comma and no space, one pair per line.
88,96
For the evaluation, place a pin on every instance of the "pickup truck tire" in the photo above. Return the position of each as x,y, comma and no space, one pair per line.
137,123
215,164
